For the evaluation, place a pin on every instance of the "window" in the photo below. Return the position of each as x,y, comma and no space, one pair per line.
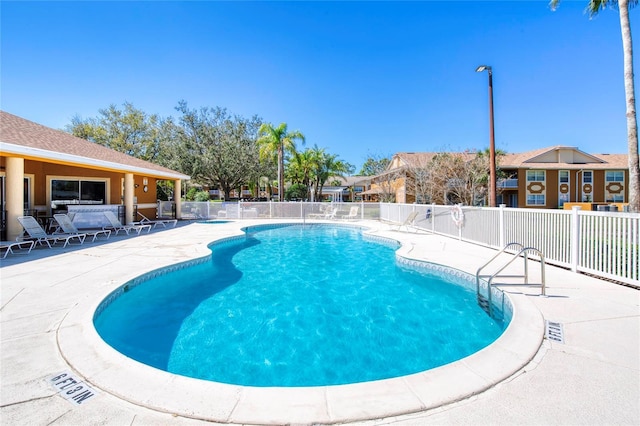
615,198
93,192
587,186
614,186
614,176
26,195
535,175
535,200
563,176
563,198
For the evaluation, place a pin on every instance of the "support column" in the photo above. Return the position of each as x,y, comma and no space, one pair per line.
177,197
14,182
128,197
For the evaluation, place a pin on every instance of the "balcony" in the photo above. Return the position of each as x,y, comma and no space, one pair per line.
507,183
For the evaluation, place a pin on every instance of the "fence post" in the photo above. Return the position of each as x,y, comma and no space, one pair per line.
575,238
502,228
433,218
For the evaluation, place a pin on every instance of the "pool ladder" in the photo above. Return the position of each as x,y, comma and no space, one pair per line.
485,302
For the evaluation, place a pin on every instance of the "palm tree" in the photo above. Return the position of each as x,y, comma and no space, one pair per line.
302,167
328,166
594,6
277,140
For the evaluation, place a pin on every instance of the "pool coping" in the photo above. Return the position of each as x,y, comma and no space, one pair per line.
114,373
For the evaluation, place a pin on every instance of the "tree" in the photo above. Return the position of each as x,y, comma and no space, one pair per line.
593,7
302,166
297,191
450,178
274,141
328,165
374,165
130,130
217,149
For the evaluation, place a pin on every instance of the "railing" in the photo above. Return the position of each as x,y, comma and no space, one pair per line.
605,244
487,303
507,183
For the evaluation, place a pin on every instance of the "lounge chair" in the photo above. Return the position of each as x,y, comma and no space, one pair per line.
117,226
329,213
353,213
9,246
34,232
67,227
409,221
323,211
155,222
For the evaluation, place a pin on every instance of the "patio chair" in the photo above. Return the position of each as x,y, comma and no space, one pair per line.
117,226
67,227
409,221
329,213
9,246
34,232
323,210
155,222
353,213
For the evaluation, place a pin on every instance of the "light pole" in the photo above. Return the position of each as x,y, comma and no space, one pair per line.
492,143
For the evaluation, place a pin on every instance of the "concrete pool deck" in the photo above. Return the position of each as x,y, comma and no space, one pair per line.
48,296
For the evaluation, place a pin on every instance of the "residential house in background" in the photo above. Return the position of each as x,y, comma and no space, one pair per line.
543,178
348,188
551,177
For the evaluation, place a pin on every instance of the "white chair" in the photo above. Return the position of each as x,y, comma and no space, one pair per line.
330,214
353,213
409,221
117,226
67,227
325,210
155,222
34,232
9,246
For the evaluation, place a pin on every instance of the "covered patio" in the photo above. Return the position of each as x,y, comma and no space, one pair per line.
44,171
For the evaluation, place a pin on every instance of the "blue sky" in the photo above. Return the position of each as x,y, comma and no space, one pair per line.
357,78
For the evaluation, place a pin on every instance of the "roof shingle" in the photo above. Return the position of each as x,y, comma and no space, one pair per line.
19,131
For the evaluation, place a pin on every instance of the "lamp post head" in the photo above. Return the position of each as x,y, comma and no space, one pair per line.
483,68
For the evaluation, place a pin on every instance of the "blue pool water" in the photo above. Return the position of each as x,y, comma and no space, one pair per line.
297,306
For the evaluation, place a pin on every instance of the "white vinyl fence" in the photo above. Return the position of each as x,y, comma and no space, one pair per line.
605,244
267,210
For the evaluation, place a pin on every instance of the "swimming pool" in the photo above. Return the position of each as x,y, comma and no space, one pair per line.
333,308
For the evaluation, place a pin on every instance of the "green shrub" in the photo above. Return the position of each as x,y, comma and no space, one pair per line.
191,193
296,192
201,196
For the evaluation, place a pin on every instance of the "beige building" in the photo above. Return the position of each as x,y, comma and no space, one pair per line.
43,171
543,178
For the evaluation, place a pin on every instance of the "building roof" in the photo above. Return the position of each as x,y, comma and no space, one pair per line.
24,138
347,181
555,157
563,157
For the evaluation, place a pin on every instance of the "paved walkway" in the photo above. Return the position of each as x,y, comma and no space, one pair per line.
591,378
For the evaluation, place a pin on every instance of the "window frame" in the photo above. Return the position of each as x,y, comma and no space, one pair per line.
79,179
533,175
